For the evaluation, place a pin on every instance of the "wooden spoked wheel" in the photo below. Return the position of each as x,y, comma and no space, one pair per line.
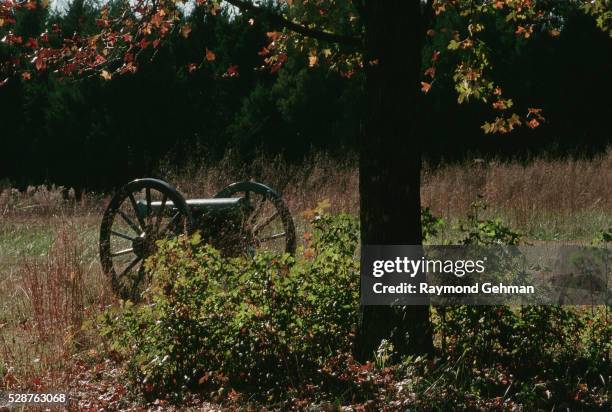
131,226
267,225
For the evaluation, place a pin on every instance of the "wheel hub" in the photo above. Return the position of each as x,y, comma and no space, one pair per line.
143,245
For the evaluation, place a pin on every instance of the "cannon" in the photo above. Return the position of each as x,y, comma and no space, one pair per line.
241,219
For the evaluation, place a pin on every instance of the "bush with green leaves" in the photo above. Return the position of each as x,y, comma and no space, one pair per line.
276,327
261,323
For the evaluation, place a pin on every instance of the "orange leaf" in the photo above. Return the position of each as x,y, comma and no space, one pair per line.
425,87
533,123
210,56
106,75
273,35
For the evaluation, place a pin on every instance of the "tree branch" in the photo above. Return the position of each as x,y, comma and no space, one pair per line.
247,6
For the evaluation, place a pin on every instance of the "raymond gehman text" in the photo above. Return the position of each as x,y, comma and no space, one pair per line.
437,290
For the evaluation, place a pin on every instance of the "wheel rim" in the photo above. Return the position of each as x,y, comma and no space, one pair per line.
131,227
268,223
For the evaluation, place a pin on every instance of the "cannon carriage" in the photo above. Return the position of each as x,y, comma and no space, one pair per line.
239,220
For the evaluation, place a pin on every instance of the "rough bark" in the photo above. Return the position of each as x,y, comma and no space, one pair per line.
390,162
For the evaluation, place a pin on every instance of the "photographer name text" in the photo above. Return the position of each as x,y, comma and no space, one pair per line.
477,288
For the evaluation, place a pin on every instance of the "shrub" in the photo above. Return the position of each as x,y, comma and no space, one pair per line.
261,324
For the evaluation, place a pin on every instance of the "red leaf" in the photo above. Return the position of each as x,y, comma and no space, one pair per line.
232,71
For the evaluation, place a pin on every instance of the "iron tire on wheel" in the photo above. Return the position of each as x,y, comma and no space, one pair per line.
140,233
245,189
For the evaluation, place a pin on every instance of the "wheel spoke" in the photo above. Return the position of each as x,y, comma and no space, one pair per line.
130,266
124,236
130,222
135,206
122,252
148,197
265,223
160,213
272,237
259,208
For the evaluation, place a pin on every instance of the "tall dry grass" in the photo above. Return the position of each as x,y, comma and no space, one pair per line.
535,196
558,186
46,299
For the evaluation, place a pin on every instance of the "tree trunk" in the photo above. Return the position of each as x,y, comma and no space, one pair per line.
390,162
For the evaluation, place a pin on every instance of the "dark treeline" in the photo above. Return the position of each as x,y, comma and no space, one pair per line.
95,133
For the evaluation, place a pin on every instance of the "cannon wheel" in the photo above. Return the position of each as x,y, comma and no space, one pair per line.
127,237
268,224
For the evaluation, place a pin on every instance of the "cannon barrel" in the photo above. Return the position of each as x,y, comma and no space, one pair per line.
197,205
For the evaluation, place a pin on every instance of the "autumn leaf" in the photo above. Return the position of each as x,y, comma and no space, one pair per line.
533,123
4,82
232,71
273,35
185,31
210,55
26,75
431,72
106,75
425,87
251,22
32,43
312,60
203,379
533,110
191,67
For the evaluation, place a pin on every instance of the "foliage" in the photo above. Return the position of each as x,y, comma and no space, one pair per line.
278,331
524,350
486,231
432,225
262,324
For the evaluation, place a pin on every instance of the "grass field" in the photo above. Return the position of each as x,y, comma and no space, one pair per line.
51,285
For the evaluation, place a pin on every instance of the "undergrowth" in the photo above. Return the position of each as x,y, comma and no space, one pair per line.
277,331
